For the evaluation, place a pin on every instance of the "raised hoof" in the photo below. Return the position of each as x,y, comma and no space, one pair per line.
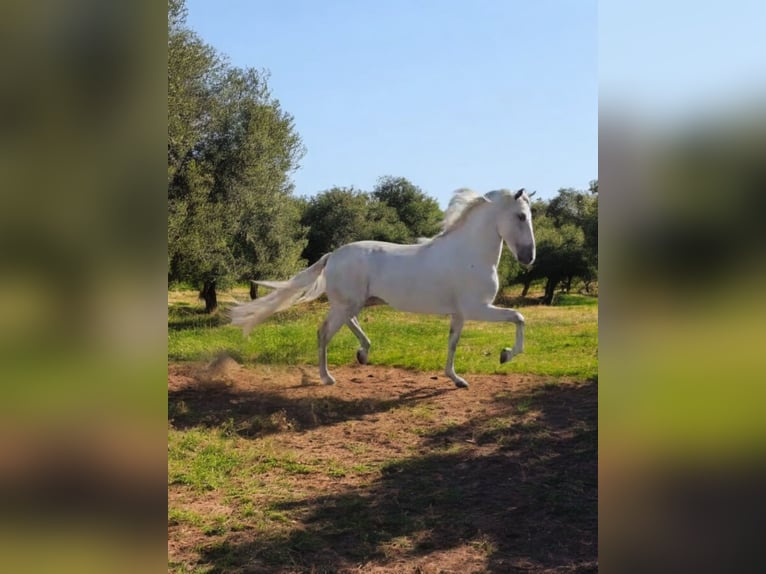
506,355
361,356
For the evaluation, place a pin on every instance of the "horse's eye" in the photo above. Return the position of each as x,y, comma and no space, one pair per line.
522,216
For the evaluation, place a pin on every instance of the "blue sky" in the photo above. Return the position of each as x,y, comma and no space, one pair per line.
447,93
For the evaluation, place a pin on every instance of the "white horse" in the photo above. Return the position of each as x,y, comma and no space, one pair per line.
454,273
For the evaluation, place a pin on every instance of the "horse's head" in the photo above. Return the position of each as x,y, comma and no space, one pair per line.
514,223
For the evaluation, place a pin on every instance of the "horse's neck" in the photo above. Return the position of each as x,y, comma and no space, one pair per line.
478,236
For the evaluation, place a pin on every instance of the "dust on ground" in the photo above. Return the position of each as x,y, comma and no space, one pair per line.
500,477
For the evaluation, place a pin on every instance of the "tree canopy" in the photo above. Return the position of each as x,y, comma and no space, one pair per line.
419,213
566,233
396,211
231,148
334,217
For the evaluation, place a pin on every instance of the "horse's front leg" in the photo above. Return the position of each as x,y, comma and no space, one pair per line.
455,328
500,315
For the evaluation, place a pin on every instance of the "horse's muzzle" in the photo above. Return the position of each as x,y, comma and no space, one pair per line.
526,255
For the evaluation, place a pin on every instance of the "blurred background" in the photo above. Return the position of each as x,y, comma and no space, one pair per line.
82,310
682,171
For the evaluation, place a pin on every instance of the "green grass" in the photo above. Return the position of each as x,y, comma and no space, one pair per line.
561,340
231,483
574,300
201,460
239,476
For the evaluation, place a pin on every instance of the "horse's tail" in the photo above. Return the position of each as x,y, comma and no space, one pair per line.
305,286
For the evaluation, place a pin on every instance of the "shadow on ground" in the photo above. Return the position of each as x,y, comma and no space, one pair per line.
520,494
184,317
255,413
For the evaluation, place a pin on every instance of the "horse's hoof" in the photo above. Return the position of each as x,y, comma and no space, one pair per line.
505,355
361,356
328,381
461,384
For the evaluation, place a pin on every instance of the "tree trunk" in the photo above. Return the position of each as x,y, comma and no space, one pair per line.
525,290
208,294
253,290
550,289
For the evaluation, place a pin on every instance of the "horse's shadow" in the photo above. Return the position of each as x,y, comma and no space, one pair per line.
258,412
528,505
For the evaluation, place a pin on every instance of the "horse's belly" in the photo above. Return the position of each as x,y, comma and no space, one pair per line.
427,309
414,301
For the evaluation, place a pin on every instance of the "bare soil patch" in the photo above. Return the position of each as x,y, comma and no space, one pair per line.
402,472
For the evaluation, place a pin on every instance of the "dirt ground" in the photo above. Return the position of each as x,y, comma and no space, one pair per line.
500,477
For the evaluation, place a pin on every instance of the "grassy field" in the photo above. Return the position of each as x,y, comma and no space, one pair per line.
561,340
390,470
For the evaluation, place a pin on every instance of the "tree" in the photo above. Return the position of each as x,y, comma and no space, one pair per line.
560,256
254,149
335,217
192,68
383,223
419,213
343,215
566,233
230,151
579,209
567,207
590,230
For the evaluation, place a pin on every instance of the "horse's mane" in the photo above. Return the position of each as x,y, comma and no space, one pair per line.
463,202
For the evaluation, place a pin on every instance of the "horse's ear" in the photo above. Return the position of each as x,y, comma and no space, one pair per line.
518,193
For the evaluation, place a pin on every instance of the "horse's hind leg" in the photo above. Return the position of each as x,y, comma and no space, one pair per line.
334,321
356,329
455,329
